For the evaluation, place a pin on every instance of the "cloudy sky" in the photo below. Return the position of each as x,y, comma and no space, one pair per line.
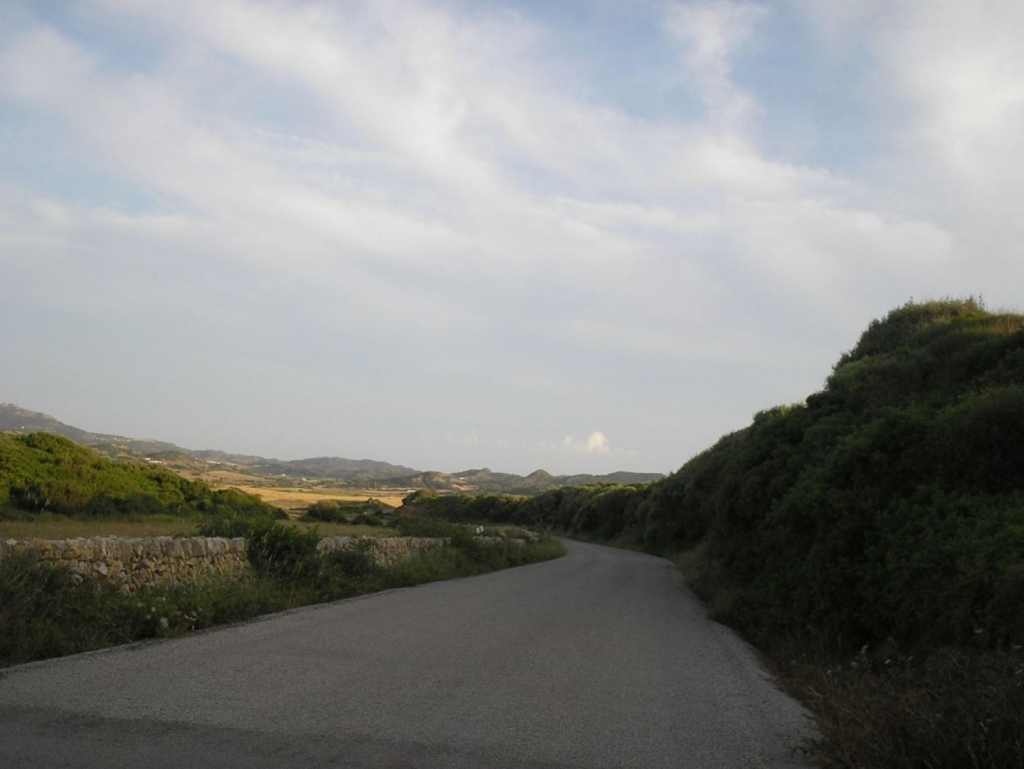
583,235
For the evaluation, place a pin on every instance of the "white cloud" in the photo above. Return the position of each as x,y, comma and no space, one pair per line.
595,443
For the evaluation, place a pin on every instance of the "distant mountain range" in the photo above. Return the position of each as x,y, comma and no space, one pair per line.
366,473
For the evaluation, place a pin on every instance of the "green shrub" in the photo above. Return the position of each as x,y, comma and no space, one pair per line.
951,709
421,526
274,550
353,564
327,510
42,473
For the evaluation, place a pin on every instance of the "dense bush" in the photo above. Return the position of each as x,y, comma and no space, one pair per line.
889,505
47,473
368,513
43,613
274,550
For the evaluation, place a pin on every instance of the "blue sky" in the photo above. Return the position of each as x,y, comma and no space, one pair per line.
583,236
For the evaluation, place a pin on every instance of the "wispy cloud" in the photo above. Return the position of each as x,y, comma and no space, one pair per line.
710,34
412,220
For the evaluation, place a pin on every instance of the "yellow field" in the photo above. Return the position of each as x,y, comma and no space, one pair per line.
294,499
292,495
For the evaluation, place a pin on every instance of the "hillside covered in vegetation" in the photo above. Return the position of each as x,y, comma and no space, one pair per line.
46,473
888,505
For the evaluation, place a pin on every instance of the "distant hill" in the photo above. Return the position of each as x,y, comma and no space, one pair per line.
365,473
14,419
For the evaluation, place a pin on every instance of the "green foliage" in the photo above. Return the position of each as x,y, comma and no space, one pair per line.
47,473
903,327
889,505
369,513
885,512
354,564
326,510
43,613
409,525
274,550
467,555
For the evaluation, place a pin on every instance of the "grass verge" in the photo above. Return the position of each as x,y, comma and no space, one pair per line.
42,614
49,526
946,709
886,708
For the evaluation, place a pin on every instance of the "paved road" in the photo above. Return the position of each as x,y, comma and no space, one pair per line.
598,659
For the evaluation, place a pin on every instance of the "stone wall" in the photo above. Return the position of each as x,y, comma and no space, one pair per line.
171,561
138,562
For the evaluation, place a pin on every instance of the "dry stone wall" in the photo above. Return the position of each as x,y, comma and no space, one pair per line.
177,561
139,562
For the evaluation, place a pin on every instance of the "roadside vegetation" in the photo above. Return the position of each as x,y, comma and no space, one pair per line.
52,488
869,540
360,513
43,614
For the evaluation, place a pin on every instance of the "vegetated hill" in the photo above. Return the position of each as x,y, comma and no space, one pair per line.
48,473
332,467
617,477
18,420
890,505
14,419
365,473
486,481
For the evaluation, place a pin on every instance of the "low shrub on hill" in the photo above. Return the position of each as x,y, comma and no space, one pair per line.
368,513
45,473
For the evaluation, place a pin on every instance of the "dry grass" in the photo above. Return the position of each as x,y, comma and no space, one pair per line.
70,528
290,494
292,499
953,709
161,526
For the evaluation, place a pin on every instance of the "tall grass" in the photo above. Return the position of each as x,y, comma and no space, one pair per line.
43,614
939,708
49,526
949,709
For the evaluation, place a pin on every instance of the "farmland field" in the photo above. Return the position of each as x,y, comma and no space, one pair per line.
293,495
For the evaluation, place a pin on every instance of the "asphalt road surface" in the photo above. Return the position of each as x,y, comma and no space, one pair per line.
598,659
